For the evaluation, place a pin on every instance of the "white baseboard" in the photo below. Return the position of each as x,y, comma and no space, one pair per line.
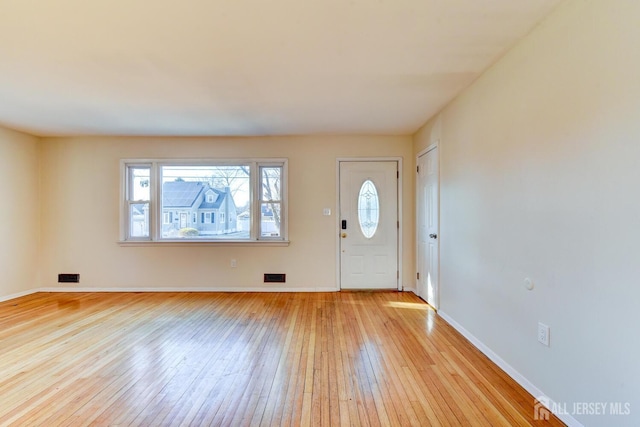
18,295
188,289
517,376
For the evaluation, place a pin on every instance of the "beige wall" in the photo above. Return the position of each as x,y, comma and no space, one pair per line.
20,213
81,184
540,178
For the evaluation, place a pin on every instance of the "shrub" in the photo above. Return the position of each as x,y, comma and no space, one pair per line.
188,232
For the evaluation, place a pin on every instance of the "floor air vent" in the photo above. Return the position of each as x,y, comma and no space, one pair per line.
275,278
68,278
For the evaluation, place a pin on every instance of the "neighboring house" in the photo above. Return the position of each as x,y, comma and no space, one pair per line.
268,222
188,204
139,220
268,226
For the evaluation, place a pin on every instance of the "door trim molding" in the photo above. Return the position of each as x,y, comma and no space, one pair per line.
417,209
429,148
339,160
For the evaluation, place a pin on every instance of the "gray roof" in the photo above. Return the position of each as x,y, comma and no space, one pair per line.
217,201
181,194
135,210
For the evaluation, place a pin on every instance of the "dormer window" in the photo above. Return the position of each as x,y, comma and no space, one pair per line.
209,198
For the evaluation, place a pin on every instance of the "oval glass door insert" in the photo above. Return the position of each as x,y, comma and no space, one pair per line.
368,209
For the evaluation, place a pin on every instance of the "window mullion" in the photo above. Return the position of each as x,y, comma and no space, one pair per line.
127,212
155,206
255,201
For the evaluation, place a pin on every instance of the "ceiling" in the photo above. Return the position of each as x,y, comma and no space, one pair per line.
246,67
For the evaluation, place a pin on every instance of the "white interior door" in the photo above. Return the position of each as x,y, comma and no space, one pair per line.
369,225
427,221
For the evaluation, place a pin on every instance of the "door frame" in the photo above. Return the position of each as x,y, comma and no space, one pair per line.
420,154
339,160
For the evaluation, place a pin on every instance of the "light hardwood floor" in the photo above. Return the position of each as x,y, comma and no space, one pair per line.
151,359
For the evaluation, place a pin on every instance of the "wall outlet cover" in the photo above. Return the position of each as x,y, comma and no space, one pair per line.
543,334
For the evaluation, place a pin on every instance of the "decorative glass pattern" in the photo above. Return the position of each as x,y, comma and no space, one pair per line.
368,209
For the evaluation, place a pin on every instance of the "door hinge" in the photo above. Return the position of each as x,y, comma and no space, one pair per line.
418,275
398,223
398,174
418,169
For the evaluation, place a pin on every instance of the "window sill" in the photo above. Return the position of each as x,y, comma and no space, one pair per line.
255,243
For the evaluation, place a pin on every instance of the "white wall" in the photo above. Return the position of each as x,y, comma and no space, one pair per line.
81,184
19,216
540,178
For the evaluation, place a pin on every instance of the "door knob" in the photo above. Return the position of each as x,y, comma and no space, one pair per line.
343,235
433,236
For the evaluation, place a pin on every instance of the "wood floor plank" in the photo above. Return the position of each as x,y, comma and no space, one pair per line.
246,359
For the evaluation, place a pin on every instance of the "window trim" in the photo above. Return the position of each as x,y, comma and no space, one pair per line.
260,200
155,207
126,201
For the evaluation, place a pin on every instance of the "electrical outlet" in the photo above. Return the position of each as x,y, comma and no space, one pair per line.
234,263
543,334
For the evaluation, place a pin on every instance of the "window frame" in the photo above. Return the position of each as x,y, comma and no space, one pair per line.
155,205
127,200
260,200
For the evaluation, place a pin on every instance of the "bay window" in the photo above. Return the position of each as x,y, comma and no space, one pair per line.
236,201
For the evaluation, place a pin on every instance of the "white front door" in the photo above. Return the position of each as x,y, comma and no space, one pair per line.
368,225
427,219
